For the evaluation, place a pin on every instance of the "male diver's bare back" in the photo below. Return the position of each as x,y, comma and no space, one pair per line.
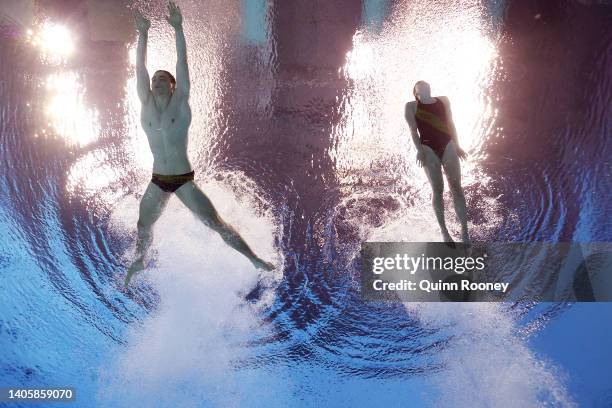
167,133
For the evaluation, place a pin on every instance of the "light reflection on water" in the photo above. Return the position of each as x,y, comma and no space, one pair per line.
66,110
372,153
451,51
66,114
54,41
456,52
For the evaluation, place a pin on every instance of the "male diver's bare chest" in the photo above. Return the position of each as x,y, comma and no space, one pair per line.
154,120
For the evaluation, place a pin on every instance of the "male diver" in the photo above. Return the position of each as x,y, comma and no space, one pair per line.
165,117
437,146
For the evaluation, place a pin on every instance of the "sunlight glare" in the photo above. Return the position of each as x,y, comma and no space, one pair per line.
66,112
54,41
455,57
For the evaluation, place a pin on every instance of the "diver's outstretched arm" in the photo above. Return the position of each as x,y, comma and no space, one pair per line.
142,75
175,19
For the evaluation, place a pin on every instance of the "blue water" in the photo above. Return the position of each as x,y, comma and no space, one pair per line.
299,139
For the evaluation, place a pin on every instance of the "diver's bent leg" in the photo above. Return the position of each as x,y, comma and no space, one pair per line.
434,174
461,210
145,237
452,168
200,204
151,206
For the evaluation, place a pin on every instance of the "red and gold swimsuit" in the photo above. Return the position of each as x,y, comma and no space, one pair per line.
432,124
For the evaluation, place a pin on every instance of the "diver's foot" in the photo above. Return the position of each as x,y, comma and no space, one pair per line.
137,265
261,264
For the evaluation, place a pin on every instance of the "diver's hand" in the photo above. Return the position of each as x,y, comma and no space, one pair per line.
420,159
175,19
461,153
142,23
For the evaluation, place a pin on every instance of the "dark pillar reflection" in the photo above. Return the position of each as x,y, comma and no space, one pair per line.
312,39
290,141
551,110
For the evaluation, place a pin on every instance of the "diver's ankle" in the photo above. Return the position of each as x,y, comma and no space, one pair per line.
465,237
261,264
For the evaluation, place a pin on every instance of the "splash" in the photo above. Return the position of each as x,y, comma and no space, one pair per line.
487,362
187,349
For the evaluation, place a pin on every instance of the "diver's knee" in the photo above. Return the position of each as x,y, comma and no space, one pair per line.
211,220
456,189
143,224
